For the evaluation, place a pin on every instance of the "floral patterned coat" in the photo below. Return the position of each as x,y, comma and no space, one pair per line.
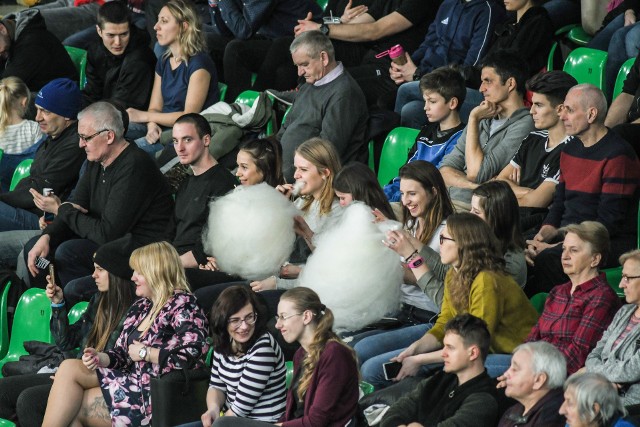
126,385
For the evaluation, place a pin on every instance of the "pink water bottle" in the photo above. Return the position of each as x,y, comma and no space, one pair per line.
396,53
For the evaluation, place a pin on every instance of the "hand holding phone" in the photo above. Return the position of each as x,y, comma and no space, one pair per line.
391,370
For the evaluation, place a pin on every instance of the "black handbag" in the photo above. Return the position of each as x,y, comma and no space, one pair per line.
179,396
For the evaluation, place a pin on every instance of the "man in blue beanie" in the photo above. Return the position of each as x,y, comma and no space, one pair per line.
56,165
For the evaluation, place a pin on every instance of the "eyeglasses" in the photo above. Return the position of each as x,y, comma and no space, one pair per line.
283,317
626,278
90,137
443,238
250,319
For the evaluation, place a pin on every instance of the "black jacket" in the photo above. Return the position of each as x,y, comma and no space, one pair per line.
56,165
126,79
36,55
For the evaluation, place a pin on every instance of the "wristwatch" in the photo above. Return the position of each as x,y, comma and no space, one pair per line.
324,29
143,353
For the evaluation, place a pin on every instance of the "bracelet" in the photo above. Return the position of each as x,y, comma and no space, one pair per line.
413,254
416,262
58,305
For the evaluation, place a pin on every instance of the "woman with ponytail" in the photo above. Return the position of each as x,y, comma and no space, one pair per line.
18,136
324,388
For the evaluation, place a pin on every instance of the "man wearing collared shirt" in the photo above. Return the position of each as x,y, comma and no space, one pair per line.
330,105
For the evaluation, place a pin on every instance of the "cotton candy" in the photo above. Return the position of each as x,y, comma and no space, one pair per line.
250,231
354,274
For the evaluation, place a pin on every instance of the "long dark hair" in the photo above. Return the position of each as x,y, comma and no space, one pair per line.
360,181
267,155
478,250
440,207
502,213
230,301
112,307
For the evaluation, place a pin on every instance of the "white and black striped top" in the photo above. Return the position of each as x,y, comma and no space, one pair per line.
254,384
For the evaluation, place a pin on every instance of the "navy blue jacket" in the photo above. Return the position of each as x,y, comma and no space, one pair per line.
460,34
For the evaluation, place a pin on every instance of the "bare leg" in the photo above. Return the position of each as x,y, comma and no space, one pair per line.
94,411
67,393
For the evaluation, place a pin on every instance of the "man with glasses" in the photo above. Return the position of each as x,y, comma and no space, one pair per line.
122,193
534,380
55,166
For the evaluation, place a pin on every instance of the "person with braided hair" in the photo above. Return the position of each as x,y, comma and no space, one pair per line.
324,388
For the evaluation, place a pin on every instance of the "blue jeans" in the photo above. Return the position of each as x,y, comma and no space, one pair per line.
12,242
623,45
497,364
601,40
378,349
563,12
17,219
410,105
149,148
471,101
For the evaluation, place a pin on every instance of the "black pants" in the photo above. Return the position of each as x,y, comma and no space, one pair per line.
630,132
73,259
24,397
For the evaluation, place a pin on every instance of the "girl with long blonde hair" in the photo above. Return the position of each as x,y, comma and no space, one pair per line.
115,383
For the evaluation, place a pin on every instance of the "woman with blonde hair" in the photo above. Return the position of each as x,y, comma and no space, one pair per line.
477,284
317,163
115,383
324,388
18,136
185,79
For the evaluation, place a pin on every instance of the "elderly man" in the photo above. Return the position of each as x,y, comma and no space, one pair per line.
535,379
122,192
599,176
330,105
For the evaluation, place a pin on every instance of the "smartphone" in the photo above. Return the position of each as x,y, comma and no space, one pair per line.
52,274
48,216
391,370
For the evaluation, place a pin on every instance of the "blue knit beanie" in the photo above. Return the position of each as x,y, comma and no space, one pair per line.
60,96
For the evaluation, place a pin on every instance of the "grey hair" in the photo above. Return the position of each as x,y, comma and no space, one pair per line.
314,42
590,388
546,358
634,255
592,97
105,116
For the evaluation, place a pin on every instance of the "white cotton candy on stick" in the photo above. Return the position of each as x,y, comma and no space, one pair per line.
354,274
250,231
297,187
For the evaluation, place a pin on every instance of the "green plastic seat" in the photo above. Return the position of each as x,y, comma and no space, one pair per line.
79,58
538,300
372,156
322,4
552,53
614,276
587,66
222,88
579,36
247,98
4,322
394,153
77,311
22,170
6,423
30,322
622,76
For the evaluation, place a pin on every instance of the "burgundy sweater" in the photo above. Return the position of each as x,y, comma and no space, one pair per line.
332,397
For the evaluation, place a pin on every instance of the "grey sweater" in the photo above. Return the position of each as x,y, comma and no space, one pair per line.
498,149
335,111
622,363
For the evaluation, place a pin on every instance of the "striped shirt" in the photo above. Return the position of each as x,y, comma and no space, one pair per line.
254,384
19,137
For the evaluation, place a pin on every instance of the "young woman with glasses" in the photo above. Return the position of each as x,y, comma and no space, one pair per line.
477,284
247,372
324,388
